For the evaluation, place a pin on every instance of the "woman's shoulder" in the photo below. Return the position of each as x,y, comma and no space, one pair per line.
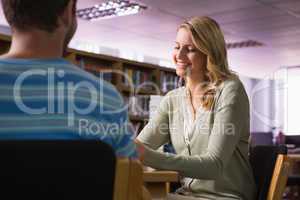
232,90
178,92
231,85
174,97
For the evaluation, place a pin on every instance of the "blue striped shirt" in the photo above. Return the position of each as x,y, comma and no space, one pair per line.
53,99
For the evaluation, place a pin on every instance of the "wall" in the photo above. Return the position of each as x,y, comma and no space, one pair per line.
261,93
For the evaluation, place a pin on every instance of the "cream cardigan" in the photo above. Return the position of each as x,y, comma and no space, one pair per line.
217,165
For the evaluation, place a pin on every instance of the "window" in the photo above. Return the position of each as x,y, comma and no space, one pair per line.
290,99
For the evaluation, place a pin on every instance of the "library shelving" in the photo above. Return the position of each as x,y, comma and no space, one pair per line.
4,43
136,81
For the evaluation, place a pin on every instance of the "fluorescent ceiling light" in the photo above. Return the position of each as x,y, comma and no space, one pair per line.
110,9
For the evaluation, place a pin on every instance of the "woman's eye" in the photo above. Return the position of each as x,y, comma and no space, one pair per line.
192,50
176,47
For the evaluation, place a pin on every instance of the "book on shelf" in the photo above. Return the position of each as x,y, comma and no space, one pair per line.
81,64
136,127
99,71
169,81
139,78
138,105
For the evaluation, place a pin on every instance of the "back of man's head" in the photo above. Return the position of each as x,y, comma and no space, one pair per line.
24,15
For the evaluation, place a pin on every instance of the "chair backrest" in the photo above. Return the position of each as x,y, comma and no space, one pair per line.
66,170
261,138
270,167
129,180
293,139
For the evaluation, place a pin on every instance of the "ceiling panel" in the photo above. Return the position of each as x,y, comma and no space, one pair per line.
246,14
284,31
188,8
2,18
105,34
88,3
152,32
292,5
283,40
262,24
144,22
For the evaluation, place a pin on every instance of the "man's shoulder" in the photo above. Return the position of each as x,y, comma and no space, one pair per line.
62,73
83,75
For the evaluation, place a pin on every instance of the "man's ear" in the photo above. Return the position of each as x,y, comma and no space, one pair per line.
74,6
68,13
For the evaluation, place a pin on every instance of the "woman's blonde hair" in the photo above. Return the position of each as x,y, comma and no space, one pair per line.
209,39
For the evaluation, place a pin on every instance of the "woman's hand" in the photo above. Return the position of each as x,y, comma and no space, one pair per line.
140,149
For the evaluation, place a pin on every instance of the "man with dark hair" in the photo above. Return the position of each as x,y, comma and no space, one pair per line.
43,96
39,14
40,24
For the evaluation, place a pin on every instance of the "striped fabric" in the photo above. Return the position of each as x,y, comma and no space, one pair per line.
53,99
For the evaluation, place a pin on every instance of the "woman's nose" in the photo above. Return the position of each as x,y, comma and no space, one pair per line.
180,54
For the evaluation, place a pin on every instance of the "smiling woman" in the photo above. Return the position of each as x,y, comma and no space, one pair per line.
207,120
202,55
186,55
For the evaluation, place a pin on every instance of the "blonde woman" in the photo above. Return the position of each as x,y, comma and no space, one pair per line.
207,120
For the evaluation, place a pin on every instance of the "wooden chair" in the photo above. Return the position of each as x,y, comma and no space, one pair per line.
294,178
79,169
129,181
271,167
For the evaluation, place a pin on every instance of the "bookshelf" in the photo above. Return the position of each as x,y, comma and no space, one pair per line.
4,43
169,81
136,81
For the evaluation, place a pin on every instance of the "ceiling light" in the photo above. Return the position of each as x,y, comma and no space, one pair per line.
110,9
244,44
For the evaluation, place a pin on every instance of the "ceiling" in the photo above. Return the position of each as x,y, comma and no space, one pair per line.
149,36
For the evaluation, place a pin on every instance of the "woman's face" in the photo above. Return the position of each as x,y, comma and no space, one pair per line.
189,61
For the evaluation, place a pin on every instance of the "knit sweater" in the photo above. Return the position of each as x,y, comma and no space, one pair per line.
211,150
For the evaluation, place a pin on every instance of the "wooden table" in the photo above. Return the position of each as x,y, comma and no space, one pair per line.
158,182
295,161
294,175
294,157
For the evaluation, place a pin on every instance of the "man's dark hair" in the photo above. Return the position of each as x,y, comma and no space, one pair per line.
40,14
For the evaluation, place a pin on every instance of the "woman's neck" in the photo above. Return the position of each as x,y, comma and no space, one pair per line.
195,87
